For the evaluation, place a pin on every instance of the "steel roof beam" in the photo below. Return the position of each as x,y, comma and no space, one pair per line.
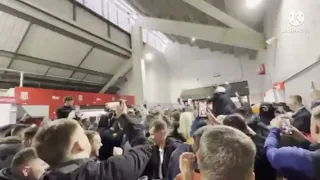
234,37
52,64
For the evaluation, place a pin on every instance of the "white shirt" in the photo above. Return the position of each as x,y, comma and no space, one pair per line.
161,153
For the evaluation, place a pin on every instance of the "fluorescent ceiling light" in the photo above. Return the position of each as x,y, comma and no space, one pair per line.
252,3
148,56
193,39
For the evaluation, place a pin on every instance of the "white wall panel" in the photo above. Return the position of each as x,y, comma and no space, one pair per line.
95,79
157,79
296,47
12,30
102,61
113,16
4,62
91,23
60,8
46,44
123,21
59,72
94,5
192,67
29,67
78,75
120,37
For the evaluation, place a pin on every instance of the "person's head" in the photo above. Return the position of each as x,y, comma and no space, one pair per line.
61,141
28,136
27,165
236,121
226,153
197,136
68,101
315,123
159,131
266,112
294,102
185,122
19,129
95,141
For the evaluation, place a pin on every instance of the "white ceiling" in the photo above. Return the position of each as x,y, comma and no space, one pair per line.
11,31
52,58
46,44
102,61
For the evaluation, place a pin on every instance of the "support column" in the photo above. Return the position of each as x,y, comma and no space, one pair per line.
137,68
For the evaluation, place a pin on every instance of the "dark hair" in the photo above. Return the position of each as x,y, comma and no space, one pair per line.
22,157
298,98
67,98
176,116
197,136
236,121
30,132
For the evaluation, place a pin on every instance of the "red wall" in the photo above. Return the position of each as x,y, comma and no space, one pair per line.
54,98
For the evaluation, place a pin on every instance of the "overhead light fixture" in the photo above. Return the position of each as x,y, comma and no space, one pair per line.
252,3
148,56
193,39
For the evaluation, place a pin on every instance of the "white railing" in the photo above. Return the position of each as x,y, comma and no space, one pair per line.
121,14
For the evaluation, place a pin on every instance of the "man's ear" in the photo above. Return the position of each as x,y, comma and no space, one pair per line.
25,171
76,148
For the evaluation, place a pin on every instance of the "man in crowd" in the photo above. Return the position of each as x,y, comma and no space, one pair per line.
262,167
157,167
226,153
64,111
222,104
25,165
69,159
191,148
301,116
293,162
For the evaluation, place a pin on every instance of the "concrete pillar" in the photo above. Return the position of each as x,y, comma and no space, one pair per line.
137,67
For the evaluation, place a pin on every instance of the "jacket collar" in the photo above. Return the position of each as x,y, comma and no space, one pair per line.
69,166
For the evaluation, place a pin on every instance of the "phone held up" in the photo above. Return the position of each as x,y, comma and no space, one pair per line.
286,125
202,109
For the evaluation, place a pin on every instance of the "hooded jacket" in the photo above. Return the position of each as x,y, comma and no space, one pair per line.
222,104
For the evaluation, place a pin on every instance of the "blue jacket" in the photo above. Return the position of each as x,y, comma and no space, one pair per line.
291,162
173,166
197,123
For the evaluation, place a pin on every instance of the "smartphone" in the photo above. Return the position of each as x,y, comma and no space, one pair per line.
285,124
202,109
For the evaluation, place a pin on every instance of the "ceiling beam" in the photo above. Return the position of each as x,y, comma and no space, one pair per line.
42,78
121,72
38,16
52,85
234,37
51,63
216,13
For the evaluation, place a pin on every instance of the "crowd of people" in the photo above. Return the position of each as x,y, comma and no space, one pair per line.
267,141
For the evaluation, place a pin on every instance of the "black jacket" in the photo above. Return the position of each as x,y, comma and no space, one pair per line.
301,120
222,104
6,174
152,169
128,166
262,167
7,152
63,111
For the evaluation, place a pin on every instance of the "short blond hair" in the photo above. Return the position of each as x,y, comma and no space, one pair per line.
224,148
53,139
